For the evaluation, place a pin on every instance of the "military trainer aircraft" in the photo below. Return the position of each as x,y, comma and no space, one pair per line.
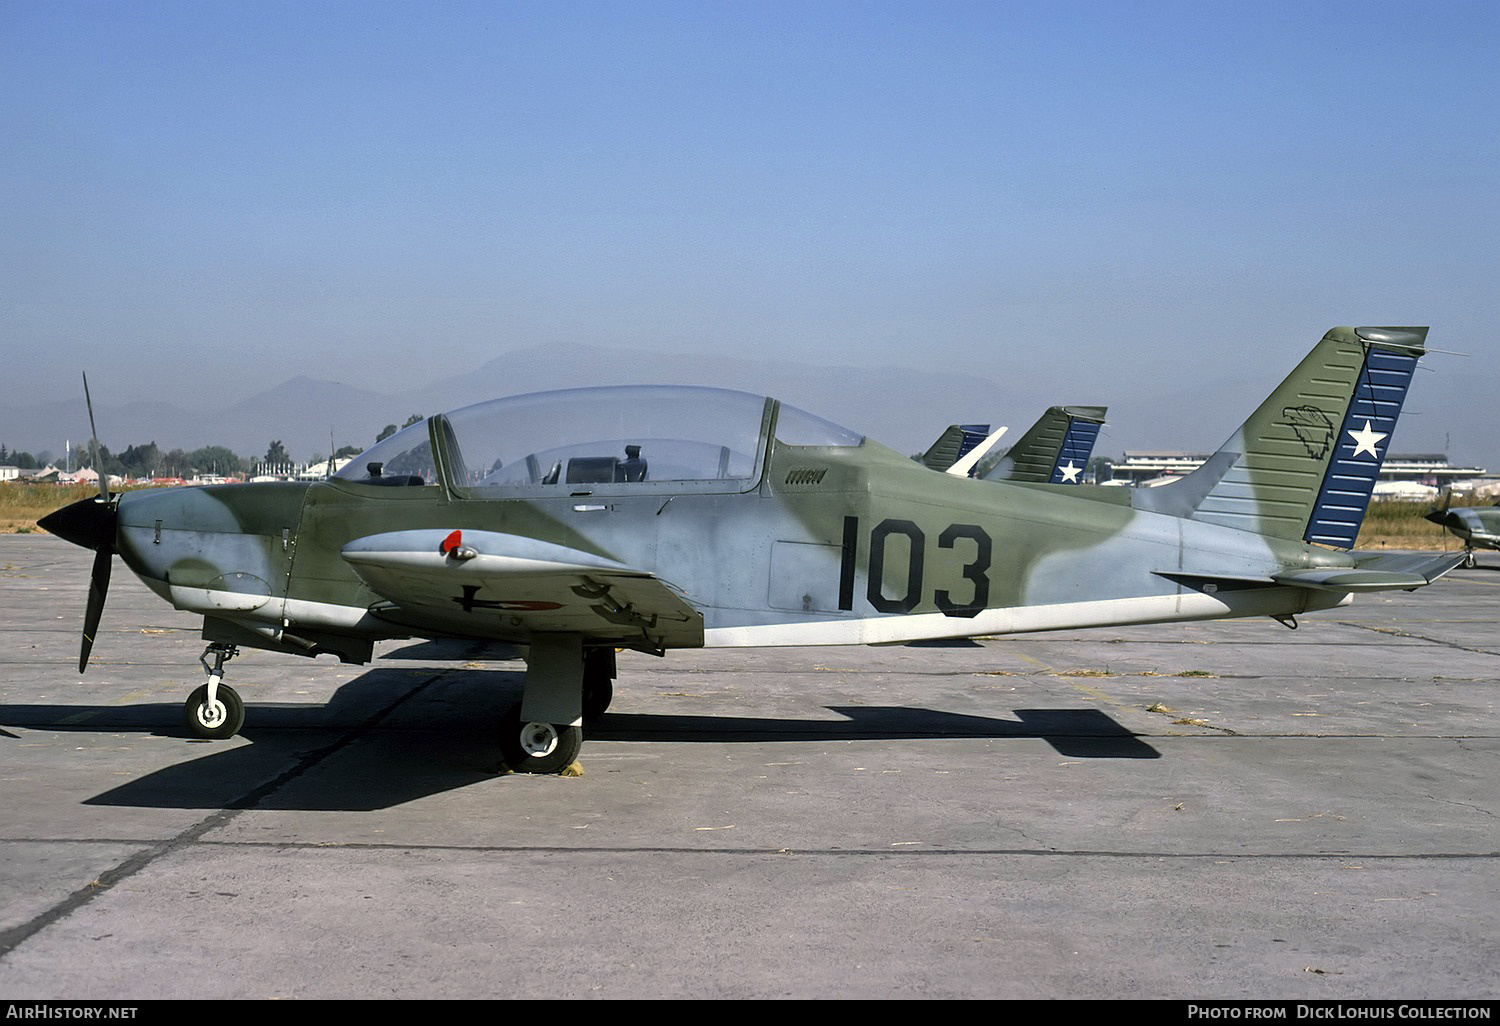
579,522
1477,526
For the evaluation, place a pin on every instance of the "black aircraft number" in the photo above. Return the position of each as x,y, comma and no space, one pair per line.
975,572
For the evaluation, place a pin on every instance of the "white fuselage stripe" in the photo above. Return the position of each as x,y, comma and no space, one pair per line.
1021,619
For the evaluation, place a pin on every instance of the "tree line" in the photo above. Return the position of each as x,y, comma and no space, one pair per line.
149,460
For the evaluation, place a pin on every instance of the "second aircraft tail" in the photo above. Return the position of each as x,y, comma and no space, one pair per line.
1054,450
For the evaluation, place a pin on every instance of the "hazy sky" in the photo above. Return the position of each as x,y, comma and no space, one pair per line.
1132,197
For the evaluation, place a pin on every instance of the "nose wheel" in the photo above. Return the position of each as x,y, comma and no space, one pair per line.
214,710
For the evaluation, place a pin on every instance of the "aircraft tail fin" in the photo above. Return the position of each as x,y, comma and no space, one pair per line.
1304,465
955,441
1054,450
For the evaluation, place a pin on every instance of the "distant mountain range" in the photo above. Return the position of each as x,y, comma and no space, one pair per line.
902,407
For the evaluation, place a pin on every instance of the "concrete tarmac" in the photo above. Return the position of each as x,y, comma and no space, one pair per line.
1212,810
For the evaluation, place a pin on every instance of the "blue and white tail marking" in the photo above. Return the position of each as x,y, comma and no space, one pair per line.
1361,447
1077,447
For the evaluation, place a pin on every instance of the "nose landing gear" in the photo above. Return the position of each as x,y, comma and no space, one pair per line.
214,710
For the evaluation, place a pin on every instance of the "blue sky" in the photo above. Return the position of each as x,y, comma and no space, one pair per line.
1096,201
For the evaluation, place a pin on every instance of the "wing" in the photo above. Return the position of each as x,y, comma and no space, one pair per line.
486,584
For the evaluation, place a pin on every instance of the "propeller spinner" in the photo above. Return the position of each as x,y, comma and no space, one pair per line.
1441,516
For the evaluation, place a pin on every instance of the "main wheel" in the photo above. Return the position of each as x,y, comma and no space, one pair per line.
597,694
223,718
538,747
598,682
1470,562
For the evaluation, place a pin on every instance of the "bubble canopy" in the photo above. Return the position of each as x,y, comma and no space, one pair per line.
626,435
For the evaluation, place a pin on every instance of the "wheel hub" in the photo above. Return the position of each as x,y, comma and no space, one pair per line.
212,714
538,739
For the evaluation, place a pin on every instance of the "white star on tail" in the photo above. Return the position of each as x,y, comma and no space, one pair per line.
1069,473
1365,441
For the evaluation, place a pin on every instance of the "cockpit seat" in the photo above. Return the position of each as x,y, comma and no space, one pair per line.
591,469
632,467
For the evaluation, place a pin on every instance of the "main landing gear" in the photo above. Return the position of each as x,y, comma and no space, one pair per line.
214,710
566,686
598,682
538,747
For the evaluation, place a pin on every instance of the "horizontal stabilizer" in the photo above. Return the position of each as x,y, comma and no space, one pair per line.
1332,579
1427,565
1383,571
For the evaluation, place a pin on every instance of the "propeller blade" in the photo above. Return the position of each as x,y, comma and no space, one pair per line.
98,588
94,435
90,523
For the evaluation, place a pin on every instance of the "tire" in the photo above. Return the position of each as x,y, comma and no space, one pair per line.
222,721
597,694
538,747
598,682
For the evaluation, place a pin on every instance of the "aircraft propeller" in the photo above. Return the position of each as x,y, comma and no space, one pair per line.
1440,516
90,523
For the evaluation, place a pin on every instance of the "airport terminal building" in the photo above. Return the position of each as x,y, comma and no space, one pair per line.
1154,467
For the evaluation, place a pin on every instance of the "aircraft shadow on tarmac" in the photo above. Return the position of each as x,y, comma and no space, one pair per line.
372,747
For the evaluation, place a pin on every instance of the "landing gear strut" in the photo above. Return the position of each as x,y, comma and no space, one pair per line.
214,710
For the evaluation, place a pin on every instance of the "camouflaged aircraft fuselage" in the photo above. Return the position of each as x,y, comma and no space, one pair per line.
1478,527
830,545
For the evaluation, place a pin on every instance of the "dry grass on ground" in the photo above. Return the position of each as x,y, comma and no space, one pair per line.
22,505
1399,525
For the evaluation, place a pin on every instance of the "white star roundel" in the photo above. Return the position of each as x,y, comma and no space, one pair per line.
1365,441
1069,472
